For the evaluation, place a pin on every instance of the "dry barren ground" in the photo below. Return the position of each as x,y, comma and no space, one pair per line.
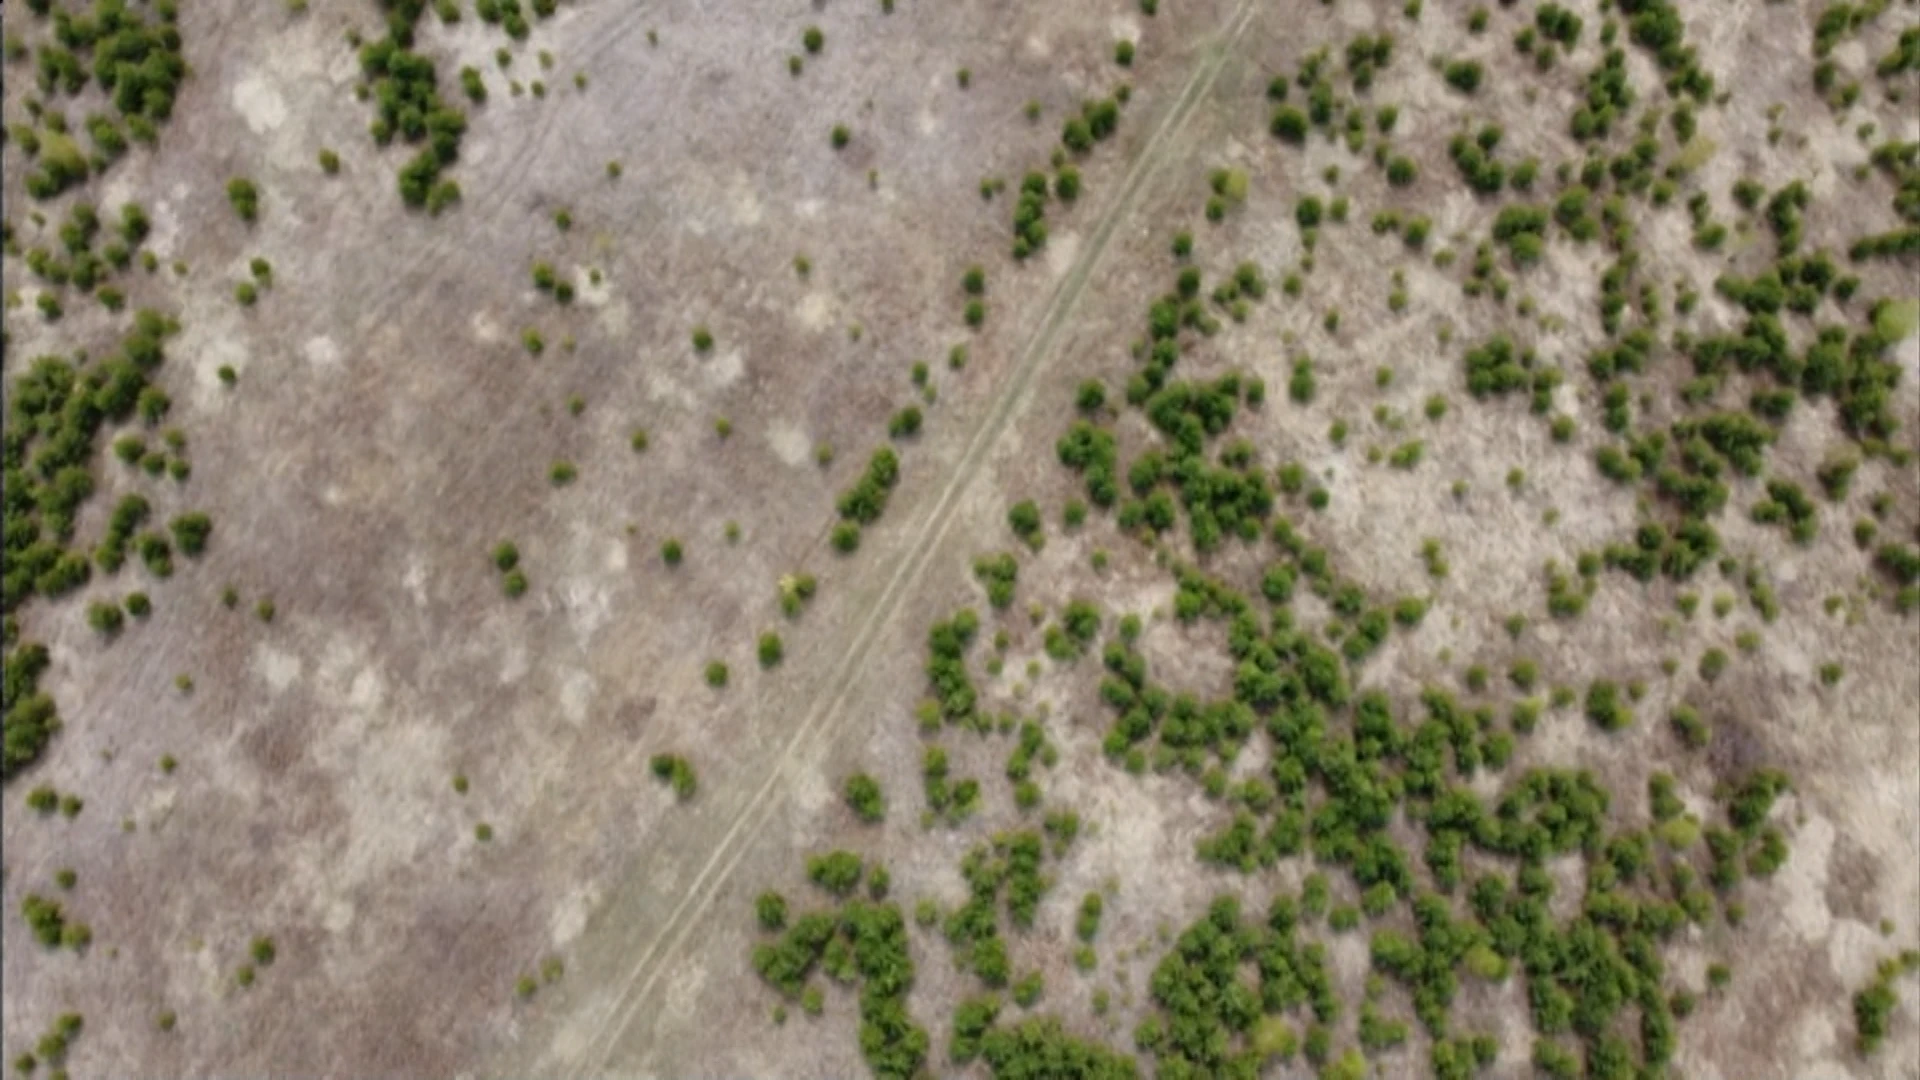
337,734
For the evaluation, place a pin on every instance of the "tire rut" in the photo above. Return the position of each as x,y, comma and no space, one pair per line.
827,718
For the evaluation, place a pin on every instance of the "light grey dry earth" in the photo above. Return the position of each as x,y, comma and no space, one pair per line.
387,429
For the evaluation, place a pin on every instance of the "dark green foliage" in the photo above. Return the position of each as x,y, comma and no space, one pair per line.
1029,216
506,556
1464,75
1874,1004
1289,125
677,771
997,573
190,532
1495,368
905,424
1041,1049
947,643
838,872
863,503
865,799
1024,519
245,198
1606,710
107,618
863,943
45,918
771,910
408,105
1480,169
1091,450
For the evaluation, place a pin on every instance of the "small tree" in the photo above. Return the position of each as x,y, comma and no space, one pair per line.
677,771
245,198
865,798
1024,519
837,872
771,909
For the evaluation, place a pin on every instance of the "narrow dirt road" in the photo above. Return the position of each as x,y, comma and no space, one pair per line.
635,994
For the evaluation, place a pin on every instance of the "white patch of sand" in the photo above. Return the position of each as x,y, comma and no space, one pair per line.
259,104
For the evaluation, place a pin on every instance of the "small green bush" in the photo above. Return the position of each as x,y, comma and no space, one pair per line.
676,771
245,198
1024,519
865,798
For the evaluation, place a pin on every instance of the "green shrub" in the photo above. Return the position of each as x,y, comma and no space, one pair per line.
677,772
771,910
245,198
1604,707
190,532
771,650
1289,125
506,556
837,872
105,617
864,797
1087,923
716,674
904,424
1024,519
1464,75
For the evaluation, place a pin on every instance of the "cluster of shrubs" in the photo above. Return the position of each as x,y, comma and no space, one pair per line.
952,686
508,15
139,63
1873,1006
81,267
1010,864
406,92
1581,973
51,927
859,944
676,771
864,502
865,798
1091,450
513,577
55,411
954,800
1030,216
998,573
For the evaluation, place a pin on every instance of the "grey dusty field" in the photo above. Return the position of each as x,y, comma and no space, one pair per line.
1183,538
